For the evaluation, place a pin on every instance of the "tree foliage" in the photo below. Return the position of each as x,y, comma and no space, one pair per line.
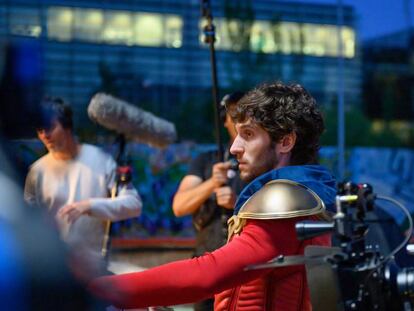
361,131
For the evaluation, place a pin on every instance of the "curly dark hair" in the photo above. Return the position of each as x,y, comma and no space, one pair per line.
281,109
228,102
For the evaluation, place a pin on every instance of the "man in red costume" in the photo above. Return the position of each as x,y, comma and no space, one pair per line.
276,146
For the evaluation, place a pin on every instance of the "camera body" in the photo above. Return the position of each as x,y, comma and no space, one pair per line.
354,275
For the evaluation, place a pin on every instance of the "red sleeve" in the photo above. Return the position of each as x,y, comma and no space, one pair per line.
195,279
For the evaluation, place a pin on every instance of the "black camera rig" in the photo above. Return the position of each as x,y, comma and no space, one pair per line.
354,275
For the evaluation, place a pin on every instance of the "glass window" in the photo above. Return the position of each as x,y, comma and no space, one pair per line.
231,34
315,37
114,27
222,34
282,37
291,38
24,21
118,28
261,37
234,34
348,37
148,29
59,23
238,34
322,40
331,43
88,24
173,31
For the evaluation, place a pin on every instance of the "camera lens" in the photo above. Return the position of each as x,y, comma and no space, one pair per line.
405,282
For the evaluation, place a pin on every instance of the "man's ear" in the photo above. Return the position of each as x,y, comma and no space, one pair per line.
287,142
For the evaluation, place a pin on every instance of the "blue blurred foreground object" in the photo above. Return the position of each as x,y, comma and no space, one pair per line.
13,293
34,272
33,264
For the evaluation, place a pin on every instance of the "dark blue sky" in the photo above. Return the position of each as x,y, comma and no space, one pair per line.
377,17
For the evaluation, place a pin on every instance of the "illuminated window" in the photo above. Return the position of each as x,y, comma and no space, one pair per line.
322,40
223,35
348,37
118,28
229,34
173,31
88,24
315,38
235,31
282,37
60,23
261,38
148,29
24,22
114,27
331,41
225,38
291,38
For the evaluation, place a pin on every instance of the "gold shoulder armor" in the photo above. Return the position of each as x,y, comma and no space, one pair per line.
282,198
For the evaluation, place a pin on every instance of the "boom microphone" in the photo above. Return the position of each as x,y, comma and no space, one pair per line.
133,122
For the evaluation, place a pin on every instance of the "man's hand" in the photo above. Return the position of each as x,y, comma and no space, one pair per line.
74,210
219,173
225,197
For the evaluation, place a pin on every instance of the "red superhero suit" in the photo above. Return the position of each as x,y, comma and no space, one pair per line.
195,279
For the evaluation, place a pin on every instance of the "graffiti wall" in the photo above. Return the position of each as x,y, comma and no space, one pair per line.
389,171
157,173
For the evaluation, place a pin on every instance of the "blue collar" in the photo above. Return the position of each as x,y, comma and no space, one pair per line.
315,177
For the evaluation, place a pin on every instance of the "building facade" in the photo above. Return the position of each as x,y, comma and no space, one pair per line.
388,74
152,51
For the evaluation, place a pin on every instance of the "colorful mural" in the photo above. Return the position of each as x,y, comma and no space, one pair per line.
157,173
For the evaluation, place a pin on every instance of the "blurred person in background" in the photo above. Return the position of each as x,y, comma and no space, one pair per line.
208,194
73,181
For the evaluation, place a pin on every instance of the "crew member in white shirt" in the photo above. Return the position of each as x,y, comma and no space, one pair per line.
74,181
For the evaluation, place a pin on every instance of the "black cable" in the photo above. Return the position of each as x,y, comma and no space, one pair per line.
402,244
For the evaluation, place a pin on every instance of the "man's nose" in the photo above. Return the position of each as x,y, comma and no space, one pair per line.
236,147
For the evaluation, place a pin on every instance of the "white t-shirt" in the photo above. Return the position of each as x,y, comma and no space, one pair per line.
54,183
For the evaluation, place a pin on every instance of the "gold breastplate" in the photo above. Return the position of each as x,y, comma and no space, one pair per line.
278,199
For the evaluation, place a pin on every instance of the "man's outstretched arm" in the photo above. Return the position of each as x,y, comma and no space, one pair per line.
195,279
